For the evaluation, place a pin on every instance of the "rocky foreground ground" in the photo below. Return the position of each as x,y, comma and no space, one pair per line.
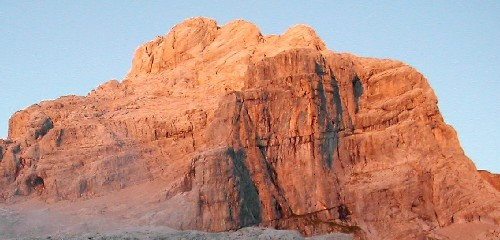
47,225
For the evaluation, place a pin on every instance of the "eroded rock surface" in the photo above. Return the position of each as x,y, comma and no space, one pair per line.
238,129
492,178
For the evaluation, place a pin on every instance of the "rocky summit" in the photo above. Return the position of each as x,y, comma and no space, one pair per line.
217,128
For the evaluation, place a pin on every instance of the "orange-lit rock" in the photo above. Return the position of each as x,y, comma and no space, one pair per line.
241,129
492,178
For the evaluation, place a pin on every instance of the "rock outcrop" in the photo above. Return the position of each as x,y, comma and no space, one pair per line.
243,129
492,178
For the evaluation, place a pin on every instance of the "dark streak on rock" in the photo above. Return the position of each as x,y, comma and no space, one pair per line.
59,137
44,128
249,202
357,88
329,135
343,212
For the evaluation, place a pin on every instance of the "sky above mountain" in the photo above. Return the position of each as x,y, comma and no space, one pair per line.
50,49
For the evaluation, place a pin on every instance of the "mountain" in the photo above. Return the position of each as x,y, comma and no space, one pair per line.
216,128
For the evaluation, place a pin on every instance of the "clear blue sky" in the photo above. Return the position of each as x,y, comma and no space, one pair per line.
49,49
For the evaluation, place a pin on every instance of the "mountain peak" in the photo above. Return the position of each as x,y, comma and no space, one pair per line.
203,37
302,34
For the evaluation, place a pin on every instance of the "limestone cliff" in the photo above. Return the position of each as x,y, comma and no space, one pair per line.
242,129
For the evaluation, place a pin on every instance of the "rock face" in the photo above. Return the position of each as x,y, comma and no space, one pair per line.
243,129
492,178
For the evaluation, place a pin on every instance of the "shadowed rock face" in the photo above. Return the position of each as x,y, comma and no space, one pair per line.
243,129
